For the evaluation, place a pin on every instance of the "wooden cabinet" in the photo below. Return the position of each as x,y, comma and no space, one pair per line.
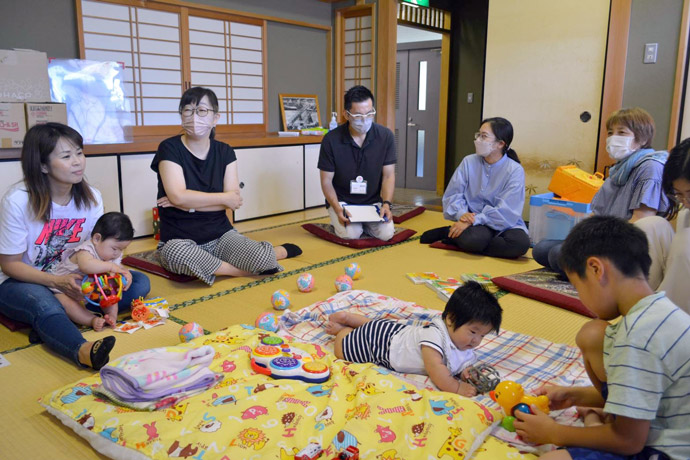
271,180
313,196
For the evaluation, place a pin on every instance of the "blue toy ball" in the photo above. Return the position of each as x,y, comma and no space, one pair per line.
190,331
267,321
305,282
280,299
353,270
522,407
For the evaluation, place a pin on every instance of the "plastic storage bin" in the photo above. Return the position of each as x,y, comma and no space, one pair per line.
551,218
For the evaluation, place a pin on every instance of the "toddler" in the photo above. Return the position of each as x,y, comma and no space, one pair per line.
101,253
441,349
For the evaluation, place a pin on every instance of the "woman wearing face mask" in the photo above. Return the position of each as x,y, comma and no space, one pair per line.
197,183
485,197
633,190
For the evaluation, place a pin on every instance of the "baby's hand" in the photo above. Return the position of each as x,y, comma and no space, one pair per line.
465,389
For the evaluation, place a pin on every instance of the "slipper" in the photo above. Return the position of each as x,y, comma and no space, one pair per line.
100,352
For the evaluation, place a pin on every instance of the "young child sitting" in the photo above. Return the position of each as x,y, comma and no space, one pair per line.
101,253
639,366
441,349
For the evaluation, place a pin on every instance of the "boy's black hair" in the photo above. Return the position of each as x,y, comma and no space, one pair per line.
357,94
114,225
677,167
611,238
472,303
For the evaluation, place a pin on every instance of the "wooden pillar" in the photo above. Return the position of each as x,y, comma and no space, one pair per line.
674,127
614,72
386,46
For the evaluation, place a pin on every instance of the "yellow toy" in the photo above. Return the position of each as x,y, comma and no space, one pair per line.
573,184
511,397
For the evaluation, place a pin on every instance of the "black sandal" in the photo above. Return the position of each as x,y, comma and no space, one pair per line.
100,352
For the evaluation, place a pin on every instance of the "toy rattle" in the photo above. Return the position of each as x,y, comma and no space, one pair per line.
280,360
103,289
482,377
511,397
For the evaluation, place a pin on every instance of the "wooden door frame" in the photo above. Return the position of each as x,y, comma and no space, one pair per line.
679,85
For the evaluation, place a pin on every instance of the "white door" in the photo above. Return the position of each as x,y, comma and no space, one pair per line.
101,172
139,191
271,181
544,70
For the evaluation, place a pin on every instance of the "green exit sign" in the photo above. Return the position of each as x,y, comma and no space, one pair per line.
417,2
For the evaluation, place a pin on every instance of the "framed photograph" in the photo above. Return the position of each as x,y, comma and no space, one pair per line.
299,111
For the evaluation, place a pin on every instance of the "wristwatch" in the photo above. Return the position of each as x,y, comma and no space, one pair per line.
390,205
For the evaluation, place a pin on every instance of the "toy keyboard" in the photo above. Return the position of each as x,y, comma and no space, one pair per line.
279,360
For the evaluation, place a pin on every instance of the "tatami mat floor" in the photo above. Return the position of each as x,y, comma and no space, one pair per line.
29,432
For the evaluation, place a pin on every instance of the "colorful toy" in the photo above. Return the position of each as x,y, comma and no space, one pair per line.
190,331
351,453
305,282
280,299
511,397
343,283
103,289
353,270
482,377
267,321
280,360
311,452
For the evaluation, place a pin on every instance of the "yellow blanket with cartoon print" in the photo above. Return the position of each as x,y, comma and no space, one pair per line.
249,415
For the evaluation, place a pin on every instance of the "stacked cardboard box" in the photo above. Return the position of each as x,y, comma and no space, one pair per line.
25,95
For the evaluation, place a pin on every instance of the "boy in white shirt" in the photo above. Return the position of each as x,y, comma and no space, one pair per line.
441,349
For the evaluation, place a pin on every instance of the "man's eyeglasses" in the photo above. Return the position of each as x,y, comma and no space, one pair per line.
359,116
201,111
680,198
484,137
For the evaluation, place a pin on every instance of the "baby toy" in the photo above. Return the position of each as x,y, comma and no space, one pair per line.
311,452
343,283
482,377
280,299
190,331
103,289
353,270
280,360
149,309
351,453
267,321
511,397
305,282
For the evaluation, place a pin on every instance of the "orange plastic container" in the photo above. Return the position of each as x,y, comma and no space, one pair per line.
573,184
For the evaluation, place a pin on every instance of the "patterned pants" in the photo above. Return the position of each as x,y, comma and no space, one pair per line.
370,342
186,257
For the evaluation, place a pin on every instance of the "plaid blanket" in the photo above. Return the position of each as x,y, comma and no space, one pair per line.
527,360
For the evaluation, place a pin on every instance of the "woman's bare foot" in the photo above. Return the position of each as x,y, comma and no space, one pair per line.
465,389
98,323
336,322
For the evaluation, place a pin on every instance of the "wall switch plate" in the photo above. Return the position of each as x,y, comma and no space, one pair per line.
470,98
650,50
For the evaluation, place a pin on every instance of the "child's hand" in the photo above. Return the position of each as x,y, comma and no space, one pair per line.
128,277
537,428
559,397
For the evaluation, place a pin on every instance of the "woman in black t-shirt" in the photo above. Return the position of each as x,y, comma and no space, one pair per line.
197,183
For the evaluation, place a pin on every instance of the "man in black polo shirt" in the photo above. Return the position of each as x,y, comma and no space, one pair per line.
357,163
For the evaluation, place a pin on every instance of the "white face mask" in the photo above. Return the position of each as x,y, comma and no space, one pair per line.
198,126
482,148
361,126
619,147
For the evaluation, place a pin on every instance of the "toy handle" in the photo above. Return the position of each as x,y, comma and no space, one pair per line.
599,175
259,369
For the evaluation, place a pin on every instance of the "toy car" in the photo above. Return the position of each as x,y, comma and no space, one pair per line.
351,453
311,452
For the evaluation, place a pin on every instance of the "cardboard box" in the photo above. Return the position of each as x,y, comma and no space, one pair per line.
12,125
24,76
39,113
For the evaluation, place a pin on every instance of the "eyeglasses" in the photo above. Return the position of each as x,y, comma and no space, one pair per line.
484,136
201,111
359,116
680,198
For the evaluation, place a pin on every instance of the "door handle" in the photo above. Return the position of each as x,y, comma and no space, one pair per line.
411,124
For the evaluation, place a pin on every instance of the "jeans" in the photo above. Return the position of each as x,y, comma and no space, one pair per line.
36,305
